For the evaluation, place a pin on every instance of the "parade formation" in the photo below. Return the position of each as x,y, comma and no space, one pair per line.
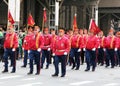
42,46
70,48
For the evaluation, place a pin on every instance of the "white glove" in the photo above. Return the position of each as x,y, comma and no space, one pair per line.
93,49
24,40
84,49
48,49
28,51
98,46
79,50
116,49
39,49
53,54
23,49
65,53
104,49
13,49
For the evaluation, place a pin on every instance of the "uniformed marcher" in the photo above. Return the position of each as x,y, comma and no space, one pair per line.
35,47
10,45
25,46
76,46
61,49
118,46
91,46
46,48
53,38
101,48
111,47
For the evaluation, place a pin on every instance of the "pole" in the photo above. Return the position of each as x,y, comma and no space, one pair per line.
57,15
96,15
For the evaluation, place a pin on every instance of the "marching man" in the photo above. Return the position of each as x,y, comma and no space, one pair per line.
10,45
61,49
35,46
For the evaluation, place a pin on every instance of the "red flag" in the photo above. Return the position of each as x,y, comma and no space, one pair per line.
10,18
93,27
75,22
30,20
44,15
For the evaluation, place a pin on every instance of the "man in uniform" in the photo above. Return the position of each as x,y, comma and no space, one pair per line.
111,47
53,38
76,46
60,51
101,48
118,46
26,46
10,45
46,48
92,43
35,45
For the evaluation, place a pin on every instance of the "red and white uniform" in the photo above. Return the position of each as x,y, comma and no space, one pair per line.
92,42
77,41
47,41
111,42
53,38
36,41
102,42
118,42
26,41
61,45
11,40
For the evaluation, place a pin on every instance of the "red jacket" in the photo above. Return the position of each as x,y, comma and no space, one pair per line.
92,42
11,40
102,42
53,38
111,42
36,41
118,42
85,40
47,41
61,45
26,41
77,41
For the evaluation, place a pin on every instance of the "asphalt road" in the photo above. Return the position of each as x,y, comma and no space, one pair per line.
101,77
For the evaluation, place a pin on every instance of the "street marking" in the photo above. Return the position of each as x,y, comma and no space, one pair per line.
111,84
31,84
28,79
80,83
10,77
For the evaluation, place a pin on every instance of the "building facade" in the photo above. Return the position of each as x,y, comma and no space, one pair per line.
108,13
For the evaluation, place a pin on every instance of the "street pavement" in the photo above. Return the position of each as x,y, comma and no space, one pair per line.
101,77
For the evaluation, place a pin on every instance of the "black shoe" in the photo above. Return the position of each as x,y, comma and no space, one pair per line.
37,73
93,69
41,67
10,65
12,71
23,66
29,73
4,71
87,70
106,66
101,64
55,75
46,67
112,66
62,76
76,68
73,67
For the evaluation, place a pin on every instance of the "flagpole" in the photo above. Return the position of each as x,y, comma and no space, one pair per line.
42,24
90,23
43,20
